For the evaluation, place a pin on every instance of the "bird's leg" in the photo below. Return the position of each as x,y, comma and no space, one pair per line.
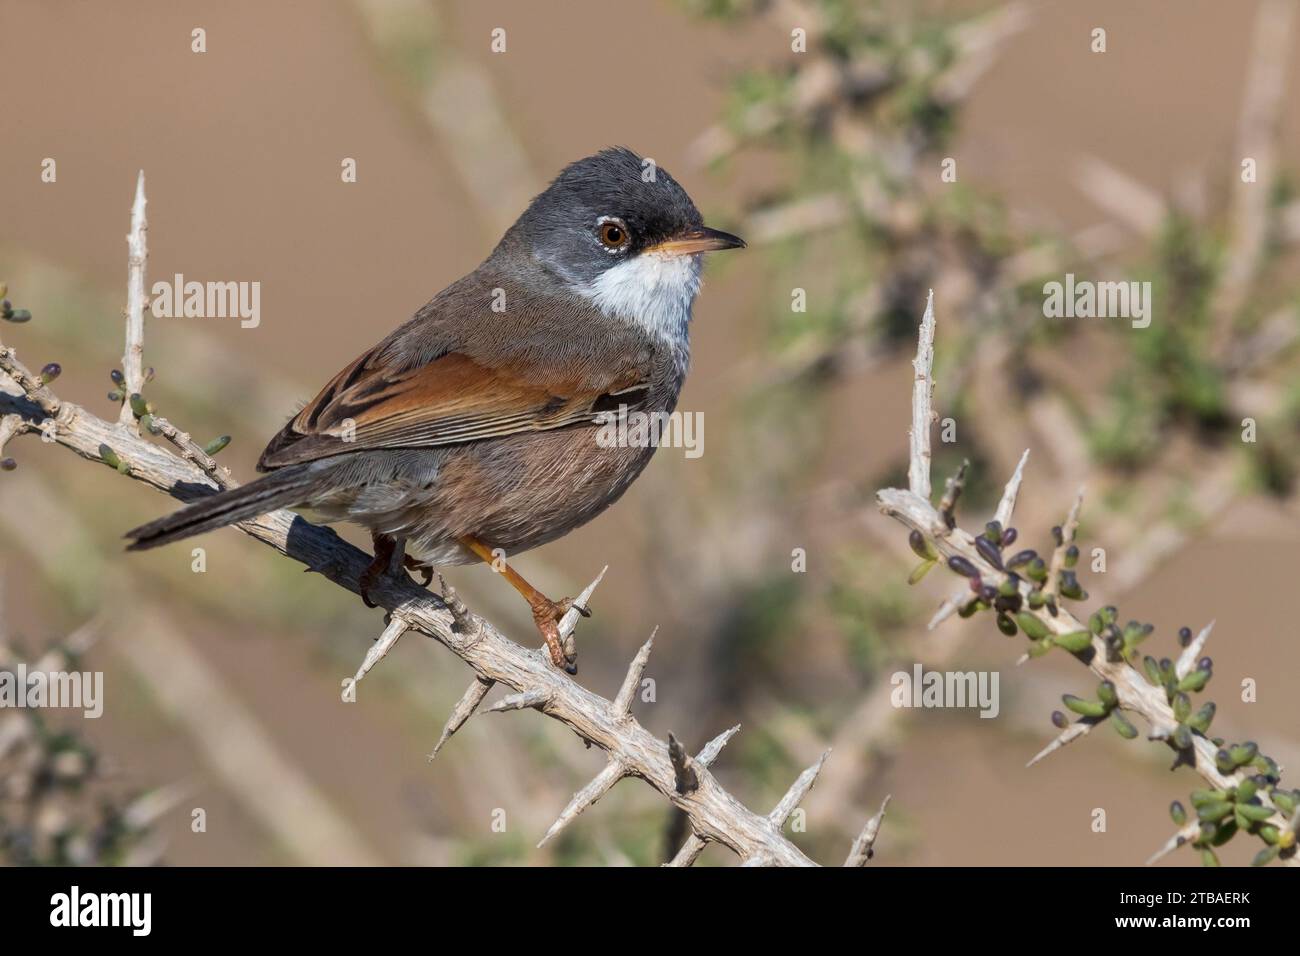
385,548
546,613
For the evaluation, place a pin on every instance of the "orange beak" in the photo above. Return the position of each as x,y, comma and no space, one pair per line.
696,241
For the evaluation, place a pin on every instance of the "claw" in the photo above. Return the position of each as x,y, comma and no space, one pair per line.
385,548
425,569
546,615
369,578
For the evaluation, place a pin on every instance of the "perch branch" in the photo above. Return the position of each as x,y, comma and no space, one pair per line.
715,815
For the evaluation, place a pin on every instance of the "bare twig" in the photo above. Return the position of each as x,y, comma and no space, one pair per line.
1133,691
1256,140
863,847
1053,586
192,452
137,253
918,472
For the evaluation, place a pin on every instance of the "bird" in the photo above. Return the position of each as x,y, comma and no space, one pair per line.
470,433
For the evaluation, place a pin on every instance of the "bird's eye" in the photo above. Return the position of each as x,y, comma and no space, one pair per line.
613,234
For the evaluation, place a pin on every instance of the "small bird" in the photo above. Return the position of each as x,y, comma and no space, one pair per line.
470,432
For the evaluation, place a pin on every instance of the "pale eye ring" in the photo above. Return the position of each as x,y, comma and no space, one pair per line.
613,233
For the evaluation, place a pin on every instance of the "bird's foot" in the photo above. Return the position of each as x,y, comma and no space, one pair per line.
547,615
385,548
425,569
370,577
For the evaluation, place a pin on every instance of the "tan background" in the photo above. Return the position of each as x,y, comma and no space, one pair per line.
241,147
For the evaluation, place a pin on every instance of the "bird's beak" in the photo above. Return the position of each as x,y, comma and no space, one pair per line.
701,239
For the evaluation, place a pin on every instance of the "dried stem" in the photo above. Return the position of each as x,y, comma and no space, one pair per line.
137,254
1134,692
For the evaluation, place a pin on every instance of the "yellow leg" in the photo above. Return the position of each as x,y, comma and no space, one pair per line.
546,613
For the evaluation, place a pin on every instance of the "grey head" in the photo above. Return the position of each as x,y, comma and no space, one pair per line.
621,233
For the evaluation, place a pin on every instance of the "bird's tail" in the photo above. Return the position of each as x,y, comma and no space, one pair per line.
279,489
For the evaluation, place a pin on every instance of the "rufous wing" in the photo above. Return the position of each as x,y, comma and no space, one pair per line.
450,400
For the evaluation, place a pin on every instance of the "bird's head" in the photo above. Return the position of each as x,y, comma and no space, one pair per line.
621,233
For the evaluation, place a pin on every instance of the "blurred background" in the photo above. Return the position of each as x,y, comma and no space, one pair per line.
223,688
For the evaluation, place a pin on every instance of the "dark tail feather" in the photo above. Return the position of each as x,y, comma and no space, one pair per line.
287,486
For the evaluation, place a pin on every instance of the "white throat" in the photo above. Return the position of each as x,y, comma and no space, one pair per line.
654,292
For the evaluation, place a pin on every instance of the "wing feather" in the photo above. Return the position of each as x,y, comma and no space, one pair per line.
450,400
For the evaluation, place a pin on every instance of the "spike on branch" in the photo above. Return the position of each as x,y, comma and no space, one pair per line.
864,846
623,701
687,780
603,782
1184,835
918,472
572,616
1073,732
137,255
466,623
714,747
1192,652
521,701
952,490
379,650
1053,586
569,622
464,709
798,790
1009,494
694,845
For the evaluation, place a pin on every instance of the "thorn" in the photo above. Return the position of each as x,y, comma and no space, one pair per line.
694,845
531,698
918,469
466,623
950,607
623,702
601,785
395,629
1079,728
570,619
1008,503
688,780
863,847
714,747
1187,833
798,790
1192,652
952,490
1052,588
689,853
463,710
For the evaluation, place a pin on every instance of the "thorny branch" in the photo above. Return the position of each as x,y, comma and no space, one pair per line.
28,406
935,535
